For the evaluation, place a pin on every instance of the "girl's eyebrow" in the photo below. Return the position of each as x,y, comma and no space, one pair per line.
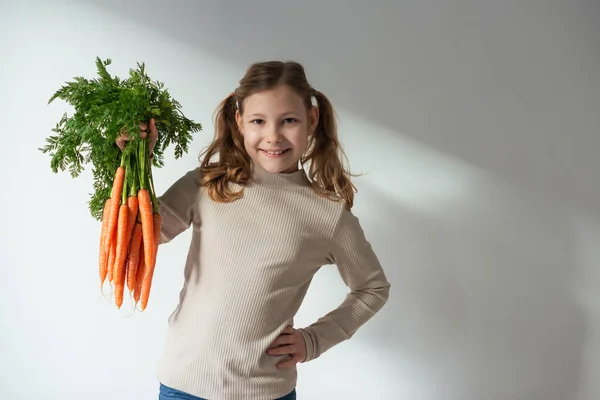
262,115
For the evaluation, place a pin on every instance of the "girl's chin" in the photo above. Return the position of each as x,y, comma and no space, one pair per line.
277,167
277,170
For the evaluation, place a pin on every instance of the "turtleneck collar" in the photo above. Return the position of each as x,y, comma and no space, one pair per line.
264,177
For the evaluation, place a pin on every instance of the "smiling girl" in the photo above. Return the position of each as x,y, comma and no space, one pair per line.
269,205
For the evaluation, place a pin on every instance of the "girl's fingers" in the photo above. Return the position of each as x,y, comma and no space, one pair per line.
286,337
283,339
143,129
121,143
124,138
288,363
153,134
288,343
289,349
153,130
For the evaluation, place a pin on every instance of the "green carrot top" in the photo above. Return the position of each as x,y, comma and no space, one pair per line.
104,108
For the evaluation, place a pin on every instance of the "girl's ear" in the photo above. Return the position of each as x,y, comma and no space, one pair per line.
238,120
313,120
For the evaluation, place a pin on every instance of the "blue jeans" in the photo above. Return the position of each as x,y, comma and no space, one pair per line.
166,393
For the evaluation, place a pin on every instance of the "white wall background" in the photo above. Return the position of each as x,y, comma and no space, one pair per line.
476,121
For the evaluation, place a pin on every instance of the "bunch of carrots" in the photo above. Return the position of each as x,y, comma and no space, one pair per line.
131,225
124,199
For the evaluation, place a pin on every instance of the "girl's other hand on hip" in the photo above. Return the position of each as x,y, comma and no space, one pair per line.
290,343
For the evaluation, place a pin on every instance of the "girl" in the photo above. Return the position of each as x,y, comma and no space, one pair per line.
263,225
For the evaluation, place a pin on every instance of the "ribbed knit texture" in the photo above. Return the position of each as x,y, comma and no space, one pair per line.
249,266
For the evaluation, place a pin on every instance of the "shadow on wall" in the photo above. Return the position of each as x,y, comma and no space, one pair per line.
482,296
496,84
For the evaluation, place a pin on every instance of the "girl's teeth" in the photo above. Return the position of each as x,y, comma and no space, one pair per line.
275,153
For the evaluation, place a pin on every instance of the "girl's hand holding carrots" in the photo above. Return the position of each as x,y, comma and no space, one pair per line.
124,138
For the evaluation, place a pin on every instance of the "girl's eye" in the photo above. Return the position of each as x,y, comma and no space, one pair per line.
285,121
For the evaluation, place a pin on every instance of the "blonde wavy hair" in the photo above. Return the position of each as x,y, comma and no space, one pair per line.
328,175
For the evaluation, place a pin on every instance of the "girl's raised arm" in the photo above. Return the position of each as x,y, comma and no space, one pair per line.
178,205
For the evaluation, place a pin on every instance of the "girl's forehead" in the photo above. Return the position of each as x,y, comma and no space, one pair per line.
280,97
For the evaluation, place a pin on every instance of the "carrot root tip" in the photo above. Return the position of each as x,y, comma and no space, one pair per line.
106,297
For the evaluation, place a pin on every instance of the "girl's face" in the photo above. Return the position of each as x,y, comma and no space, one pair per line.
276,127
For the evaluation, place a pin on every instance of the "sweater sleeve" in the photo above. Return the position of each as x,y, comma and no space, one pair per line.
177,205
361,271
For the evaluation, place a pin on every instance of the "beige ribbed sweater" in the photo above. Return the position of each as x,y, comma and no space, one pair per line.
249,266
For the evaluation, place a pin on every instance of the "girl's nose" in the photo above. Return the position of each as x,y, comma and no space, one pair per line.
274,136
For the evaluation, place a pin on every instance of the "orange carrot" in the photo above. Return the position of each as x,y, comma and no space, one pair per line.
133,204
103,258
112,252
120,288
145,211
122,242
132,221
115,201
141,272
113,215
133,256
147,283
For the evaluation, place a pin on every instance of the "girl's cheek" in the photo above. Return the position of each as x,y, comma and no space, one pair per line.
253,130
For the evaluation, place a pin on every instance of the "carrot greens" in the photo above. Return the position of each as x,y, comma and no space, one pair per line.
104,107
